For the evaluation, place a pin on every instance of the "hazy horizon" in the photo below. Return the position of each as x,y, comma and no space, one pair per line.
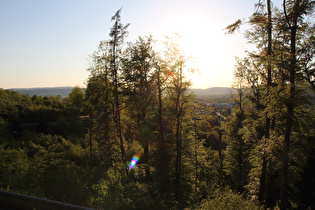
69,86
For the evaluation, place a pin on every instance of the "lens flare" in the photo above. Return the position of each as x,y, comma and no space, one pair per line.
171,75
134,160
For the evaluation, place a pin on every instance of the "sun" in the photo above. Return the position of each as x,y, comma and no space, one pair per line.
201,40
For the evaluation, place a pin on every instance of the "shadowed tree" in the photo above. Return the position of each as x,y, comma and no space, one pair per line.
76,99
178,98
100,104
117,34
140,90
283,64
293,12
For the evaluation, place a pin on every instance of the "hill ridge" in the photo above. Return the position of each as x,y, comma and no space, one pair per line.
65,90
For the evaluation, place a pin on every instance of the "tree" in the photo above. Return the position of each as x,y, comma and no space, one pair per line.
139,87
162,168
179,100
100,102
264,21
293,12
117,34
275,74
76,99
267,126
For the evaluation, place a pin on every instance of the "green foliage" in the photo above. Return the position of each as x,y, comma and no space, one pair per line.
116,191
13,168
227,199
76,99
272,100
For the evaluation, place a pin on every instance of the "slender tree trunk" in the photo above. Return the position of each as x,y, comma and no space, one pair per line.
161,146
107,123
240,164
288,126
196,157
240,158
117,33
178,160
122,149
116,94
90,135
267,125
221,159
284,204
178,140
145,141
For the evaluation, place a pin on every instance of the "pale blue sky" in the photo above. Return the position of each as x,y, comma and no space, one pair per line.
47,43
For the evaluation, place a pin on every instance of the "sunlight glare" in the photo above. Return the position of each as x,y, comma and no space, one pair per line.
201,40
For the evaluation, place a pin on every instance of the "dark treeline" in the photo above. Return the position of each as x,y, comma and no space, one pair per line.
258,154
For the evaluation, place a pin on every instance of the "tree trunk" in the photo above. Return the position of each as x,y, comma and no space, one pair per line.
196,156
117,111
288,128
239,186
267,125
178,140
117,33
178,160
90,138
146,158
107,123
122,149
221,159
161,146
284,204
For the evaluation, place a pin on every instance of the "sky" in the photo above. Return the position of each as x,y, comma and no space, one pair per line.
47,43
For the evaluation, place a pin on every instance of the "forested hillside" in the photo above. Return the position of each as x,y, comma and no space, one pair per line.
64,91
47,91
137,138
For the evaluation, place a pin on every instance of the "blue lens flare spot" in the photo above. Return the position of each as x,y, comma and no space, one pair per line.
134,160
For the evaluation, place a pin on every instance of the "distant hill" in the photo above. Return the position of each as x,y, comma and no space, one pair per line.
64,91
213,91
49,91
